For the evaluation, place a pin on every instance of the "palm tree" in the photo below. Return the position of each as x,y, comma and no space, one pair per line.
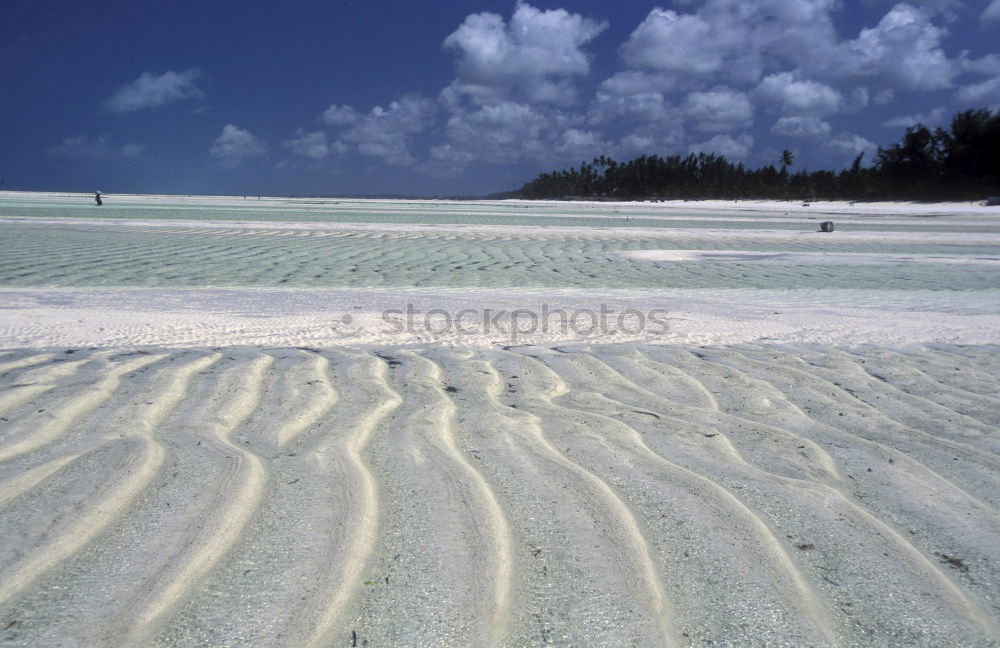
787,157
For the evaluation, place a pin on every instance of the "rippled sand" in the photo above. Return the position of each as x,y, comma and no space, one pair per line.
588,496
197,448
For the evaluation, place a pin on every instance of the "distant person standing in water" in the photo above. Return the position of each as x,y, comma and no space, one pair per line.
97,198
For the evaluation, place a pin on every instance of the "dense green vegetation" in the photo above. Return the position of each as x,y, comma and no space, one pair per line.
961,162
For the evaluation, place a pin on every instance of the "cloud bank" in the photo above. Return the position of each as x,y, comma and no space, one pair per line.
721,76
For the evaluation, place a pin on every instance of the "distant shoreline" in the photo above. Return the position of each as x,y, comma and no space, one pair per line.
833,207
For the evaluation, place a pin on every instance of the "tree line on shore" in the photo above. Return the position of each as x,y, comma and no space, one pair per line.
961,162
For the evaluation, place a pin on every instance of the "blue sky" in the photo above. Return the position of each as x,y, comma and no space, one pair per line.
440,97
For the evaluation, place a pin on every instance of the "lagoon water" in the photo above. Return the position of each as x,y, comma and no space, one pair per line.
135,242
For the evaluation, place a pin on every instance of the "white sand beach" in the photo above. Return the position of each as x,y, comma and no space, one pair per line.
327,422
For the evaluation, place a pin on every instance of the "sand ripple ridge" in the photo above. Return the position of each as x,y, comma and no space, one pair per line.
572,495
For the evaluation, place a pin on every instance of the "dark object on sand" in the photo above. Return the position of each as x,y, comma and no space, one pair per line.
826,226
97,198
993,201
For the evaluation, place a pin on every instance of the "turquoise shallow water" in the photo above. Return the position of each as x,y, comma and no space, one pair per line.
49,255
66,253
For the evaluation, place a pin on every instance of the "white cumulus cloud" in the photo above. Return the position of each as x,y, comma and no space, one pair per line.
807,127
151,90
992,12
632,82
936,6
846,146
988,65
739,42
934,117
902,51
980,95
720,109
646,107
673,42
506,132
578,144
733,148
340,115
794,96
536,53
235,146
385,132
512,132
636,143
732,39
309,145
